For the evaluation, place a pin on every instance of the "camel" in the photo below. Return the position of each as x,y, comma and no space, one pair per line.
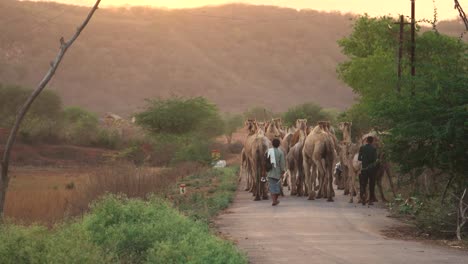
294,161
345,145
279,125
246,168
259,145
383,167
318,156
272,130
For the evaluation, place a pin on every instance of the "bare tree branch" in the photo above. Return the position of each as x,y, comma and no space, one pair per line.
462,216
461,13
64,45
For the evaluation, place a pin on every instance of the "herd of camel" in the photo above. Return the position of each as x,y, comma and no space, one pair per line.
311,155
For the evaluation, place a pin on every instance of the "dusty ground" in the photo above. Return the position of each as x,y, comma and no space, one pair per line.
302,231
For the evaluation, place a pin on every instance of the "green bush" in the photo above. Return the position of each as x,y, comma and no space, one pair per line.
36,244
203,205
310,111
153,232
43,121
180,116
81,126
108,138
118,230
259,113
198,150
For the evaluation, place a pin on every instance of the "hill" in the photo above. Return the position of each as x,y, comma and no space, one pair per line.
236,55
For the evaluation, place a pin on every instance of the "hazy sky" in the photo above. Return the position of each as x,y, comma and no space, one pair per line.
424,8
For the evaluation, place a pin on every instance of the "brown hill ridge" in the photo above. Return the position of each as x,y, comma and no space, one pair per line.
239,56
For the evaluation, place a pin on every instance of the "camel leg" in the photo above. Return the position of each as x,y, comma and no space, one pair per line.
309,178
379,184
293,177
351,186
331,192
322,181
387,170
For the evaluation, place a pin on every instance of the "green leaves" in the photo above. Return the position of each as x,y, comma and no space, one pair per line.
181,116
426,120
310,111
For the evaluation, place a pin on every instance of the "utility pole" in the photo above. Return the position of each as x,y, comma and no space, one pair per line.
402,24
413,42
400,49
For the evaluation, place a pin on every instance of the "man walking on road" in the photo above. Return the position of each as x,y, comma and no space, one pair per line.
368,157
274,175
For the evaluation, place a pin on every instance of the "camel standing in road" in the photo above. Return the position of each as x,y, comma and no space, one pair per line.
246,166
318,157
259,145
272,130
294,161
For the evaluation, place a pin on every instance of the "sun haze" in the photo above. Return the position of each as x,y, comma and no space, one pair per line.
424,8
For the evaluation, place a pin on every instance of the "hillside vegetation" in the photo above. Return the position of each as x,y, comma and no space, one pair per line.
235,55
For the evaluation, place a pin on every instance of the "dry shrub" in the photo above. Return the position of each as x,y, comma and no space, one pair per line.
128,179
45,207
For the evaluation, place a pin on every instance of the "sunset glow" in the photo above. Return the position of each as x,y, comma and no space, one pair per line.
424,9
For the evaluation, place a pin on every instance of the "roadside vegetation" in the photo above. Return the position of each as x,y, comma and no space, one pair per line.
424,120
164,227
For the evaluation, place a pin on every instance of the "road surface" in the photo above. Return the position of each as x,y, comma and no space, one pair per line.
301,231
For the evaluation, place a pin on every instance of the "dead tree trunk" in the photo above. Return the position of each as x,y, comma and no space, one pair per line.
462,214
64,45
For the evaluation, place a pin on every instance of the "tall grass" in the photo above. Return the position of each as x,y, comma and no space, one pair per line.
48,206
119,229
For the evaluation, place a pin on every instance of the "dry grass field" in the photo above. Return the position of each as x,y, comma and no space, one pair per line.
49,195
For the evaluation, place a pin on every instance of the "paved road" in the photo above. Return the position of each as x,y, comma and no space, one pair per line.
301,231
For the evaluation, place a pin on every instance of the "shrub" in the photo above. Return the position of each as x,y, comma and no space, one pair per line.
153,232
198,151
81,126
108,138
36,244
310,111
180,116
259,113
231,124
43,121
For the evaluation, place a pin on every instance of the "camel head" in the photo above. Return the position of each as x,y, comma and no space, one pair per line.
278,123
261,127
272,130
251,126
301,124
323,125
346,128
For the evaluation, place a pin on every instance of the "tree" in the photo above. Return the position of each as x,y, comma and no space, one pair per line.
259,113
426,120
310,111
42,122
180,116
231,123
64,46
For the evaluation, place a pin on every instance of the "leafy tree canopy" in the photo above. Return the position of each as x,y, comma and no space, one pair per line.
310,111
181,116
426,120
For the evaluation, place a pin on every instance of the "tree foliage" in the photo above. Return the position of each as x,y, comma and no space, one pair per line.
232,122
310,111
426,120
181,116
259,113
42,121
